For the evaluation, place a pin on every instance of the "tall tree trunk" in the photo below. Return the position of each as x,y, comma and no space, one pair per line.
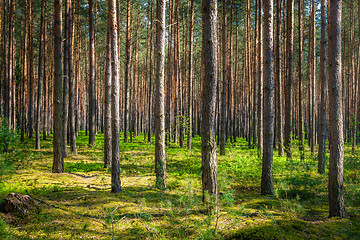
210,58
269,94
190,77
65,98
322,122
58,163
24,74
30,70
289,79
72,131
115,100
150,74
229,124
10,81
313,77
260,78
92,98
160,167
127,74
336,187
300,80
278,80
356,102
222,135
107,118
45,86
40,66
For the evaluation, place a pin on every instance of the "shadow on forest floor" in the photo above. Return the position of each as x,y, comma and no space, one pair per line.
78,204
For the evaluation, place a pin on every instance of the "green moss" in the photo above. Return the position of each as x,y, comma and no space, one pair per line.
80,205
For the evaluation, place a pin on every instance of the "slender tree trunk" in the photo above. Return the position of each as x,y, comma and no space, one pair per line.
45,108
58,163
222,135
92,98
30,70
336,188
169,76
66,80
289,79
300,80
40,66
24,74
210,57
269,94
127,74
278,79
190,78
72,131
260,78
356,116
107,122
10,81
115,100
150,74
229,124
322,122
313,77
160,167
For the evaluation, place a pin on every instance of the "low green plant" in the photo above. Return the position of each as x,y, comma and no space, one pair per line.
5,231
7,135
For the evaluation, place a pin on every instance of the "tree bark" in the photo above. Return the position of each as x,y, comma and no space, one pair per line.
289,79
127,74
107,117
313,78
45,86
115,104
336,187
278,80
190,77
58,162
300,80
260,89
322,122
150,74
210,58
269,94
72,132
160,167
92,98
40,66
222,135
30,70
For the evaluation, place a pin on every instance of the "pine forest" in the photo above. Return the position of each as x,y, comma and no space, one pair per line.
179,119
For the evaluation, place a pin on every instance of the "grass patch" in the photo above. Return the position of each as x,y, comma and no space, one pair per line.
79,204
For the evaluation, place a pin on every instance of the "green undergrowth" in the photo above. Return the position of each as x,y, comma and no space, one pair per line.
78,204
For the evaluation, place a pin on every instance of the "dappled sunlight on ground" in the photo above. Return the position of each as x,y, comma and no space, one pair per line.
78,204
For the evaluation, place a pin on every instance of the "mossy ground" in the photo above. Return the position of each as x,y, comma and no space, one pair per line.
80,205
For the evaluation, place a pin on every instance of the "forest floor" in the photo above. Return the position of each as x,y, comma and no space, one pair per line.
78,204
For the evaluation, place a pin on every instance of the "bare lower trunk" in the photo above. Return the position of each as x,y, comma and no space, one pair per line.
322,122
160,167
58,163
269,94
336,187
92,98
222,135
115,104
289,79
107,118
208,143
